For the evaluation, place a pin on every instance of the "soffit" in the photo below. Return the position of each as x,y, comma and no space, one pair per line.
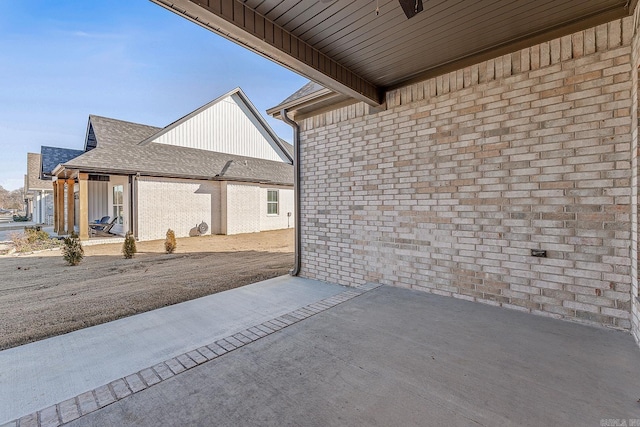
386,49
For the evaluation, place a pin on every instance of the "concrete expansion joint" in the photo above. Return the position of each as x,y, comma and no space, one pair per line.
90,401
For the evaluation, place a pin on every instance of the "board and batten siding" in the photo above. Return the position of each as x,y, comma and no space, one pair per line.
179,204
227,126
99,200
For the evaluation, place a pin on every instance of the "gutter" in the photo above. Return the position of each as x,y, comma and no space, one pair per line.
296,188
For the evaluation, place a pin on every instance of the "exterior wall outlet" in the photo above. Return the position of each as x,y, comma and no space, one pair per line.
539,253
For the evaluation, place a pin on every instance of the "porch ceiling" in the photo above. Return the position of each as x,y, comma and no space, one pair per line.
346,47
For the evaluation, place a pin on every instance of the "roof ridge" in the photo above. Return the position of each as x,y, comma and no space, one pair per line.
122,121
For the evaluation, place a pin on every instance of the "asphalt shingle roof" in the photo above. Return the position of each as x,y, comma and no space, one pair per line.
156,159
54,156
305,90
112,131
33,181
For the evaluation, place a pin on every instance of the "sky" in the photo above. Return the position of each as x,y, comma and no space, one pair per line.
126,59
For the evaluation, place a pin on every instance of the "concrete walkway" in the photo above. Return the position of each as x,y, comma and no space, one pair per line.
37,375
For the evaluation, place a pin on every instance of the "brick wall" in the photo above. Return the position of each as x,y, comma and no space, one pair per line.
242,208
451,186
635,61
179,204
246,208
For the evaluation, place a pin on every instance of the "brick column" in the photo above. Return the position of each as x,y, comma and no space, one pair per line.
70,206
55,207
59,209
83,217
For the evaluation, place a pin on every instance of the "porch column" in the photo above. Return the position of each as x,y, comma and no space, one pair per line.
70,206
83,217
55,207
59,209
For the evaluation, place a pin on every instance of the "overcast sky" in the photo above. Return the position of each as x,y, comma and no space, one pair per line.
127,59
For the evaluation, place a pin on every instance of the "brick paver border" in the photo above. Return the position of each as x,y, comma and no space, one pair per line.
90,401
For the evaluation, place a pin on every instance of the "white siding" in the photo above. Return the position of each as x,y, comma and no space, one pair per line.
42,207
227,126
98,200
179,204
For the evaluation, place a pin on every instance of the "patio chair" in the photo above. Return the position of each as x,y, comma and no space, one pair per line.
102,229
101,222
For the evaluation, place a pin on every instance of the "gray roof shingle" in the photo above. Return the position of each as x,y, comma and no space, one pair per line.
305,90
54,156
33,181
156,159
112,131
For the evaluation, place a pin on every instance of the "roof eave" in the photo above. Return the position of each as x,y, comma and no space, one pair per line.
305,100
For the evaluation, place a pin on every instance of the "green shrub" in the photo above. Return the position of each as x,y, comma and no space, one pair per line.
72,251
170,242
129,246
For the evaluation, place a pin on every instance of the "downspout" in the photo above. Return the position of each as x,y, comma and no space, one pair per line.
296,189
131,204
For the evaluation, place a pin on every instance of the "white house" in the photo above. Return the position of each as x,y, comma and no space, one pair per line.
220,170
38,192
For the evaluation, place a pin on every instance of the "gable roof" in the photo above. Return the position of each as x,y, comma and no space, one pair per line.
54,156
310,97
308,89
247,103
32,178
288,147
112,131
181,162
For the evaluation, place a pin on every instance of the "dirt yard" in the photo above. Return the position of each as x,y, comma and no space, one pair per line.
40,296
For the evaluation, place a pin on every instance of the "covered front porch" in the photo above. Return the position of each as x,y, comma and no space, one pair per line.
82,200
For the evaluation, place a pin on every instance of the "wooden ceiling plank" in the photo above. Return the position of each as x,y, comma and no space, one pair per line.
435,20
391,19
511,46
465,31
340,34
276,13
350,14
388,62
301,13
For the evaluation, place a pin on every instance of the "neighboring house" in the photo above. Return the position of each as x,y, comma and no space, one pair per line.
49,157
38,192
221,165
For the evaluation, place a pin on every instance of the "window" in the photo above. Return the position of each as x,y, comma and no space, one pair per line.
118,204
272,202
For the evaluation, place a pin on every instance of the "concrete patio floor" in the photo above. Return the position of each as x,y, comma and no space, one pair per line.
393,356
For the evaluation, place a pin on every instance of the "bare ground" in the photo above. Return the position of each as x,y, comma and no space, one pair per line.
41,296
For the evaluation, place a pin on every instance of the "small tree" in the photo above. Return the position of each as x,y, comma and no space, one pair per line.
170,242
72,250
129,246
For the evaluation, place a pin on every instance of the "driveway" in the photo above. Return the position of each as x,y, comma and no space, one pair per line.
390,356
